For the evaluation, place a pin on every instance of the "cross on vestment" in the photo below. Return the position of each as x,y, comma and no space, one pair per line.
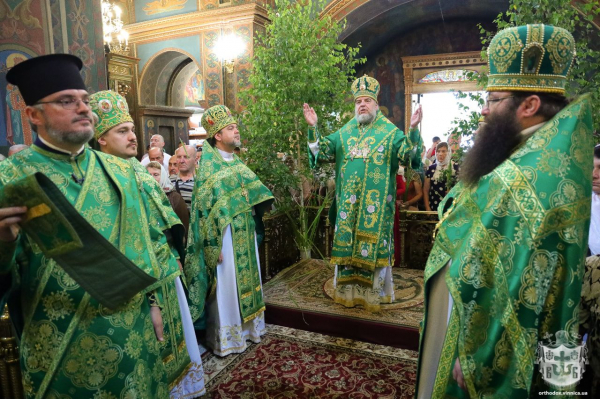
377,176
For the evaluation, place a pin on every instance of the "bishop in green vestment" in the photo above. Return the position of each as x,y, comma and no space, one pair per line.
506,268
72,344
366,152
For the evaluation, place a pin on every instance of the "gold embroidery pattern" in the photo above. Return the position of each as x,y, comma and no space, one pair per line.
537,278
504,49
138,383
524,197
477,322
578,149
535,33
58,305
62,278
540,140
373,202
561,47
126,315
98,217
41,346
92,360
554,162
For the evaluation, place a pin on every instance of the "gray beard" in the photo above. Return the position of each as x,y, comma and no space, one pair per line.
73,138
365,119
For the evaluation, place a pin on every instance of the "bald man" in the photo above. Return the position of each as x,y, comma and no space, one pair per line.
17,148
184,181
158,143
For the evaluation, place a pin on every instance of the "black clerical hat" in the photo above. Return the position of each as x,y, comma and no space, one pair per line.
41,76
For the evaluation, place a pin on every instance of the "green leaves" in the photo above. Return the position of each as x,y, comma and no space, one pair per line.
297,59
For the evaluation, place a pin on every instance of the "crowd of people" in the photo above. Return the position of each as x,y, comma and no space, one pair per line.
110,266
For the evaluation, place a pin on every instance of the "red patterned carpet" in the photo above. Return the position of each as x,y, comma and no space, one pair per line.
291,363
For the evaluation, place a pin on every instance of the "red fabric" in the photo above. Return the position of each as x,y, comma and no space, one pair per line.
400,189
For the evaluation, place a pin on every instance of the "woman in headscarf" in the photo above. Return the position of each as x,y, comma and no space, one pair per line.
177,203
438,176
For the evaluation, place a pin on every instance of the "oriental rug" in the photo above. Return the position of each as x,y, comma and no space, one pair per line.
290,363
300,297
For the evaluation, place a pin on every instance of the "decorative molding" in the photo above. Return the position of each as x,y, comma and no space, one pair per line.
164,111
195,22
339,9
415,67
448,61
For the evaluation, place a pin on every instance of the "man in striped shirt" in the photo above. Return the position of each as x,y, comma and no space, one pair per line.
184,181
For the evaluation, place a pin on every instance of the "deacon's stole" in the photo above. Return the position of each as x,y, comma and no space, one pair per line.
224,194
363,211
62,324
517,242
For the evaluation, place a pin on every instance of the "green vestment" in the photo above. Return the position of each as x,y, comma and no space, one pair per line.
72,346
517,243
163,222
225,194
366,161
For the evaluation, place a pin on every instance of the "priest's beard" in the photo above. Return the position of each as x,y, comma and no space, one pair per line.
494,143
365,119
78,137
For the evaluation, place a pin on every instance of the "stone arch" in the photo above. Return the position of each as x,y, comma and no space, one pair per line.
164,77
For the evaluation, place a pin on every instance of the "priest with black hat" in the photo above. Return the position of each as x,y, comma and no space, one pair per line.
75,267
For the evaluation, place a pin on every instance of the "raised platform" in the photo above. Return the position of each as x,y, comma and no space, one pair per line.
300,297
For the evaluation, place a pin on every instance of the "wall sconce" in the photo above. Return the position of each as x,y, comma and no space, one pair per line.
228,48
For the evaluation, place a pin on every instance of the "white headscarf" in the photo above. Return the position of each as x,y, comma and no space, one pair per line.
165,182
440,166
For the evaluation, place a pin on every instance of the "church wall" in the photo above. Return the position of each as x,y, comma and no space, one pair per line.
29,28
146,10
434,38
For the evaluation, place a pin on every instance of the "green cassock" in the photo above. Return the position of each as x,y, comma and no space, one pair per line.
71,345
225,193
517,243
366,161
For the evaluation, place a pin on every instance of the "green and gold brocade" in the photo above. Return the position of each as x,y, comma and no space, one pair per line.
363,210
72,346
225,193
517,242
162,217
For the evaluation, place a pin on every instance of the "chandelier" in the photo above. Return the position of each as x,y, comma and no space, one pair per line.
115,37
227,49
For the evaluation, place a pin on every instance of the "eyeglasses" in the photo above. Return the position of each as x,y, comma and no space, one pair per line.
495,100
68,103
